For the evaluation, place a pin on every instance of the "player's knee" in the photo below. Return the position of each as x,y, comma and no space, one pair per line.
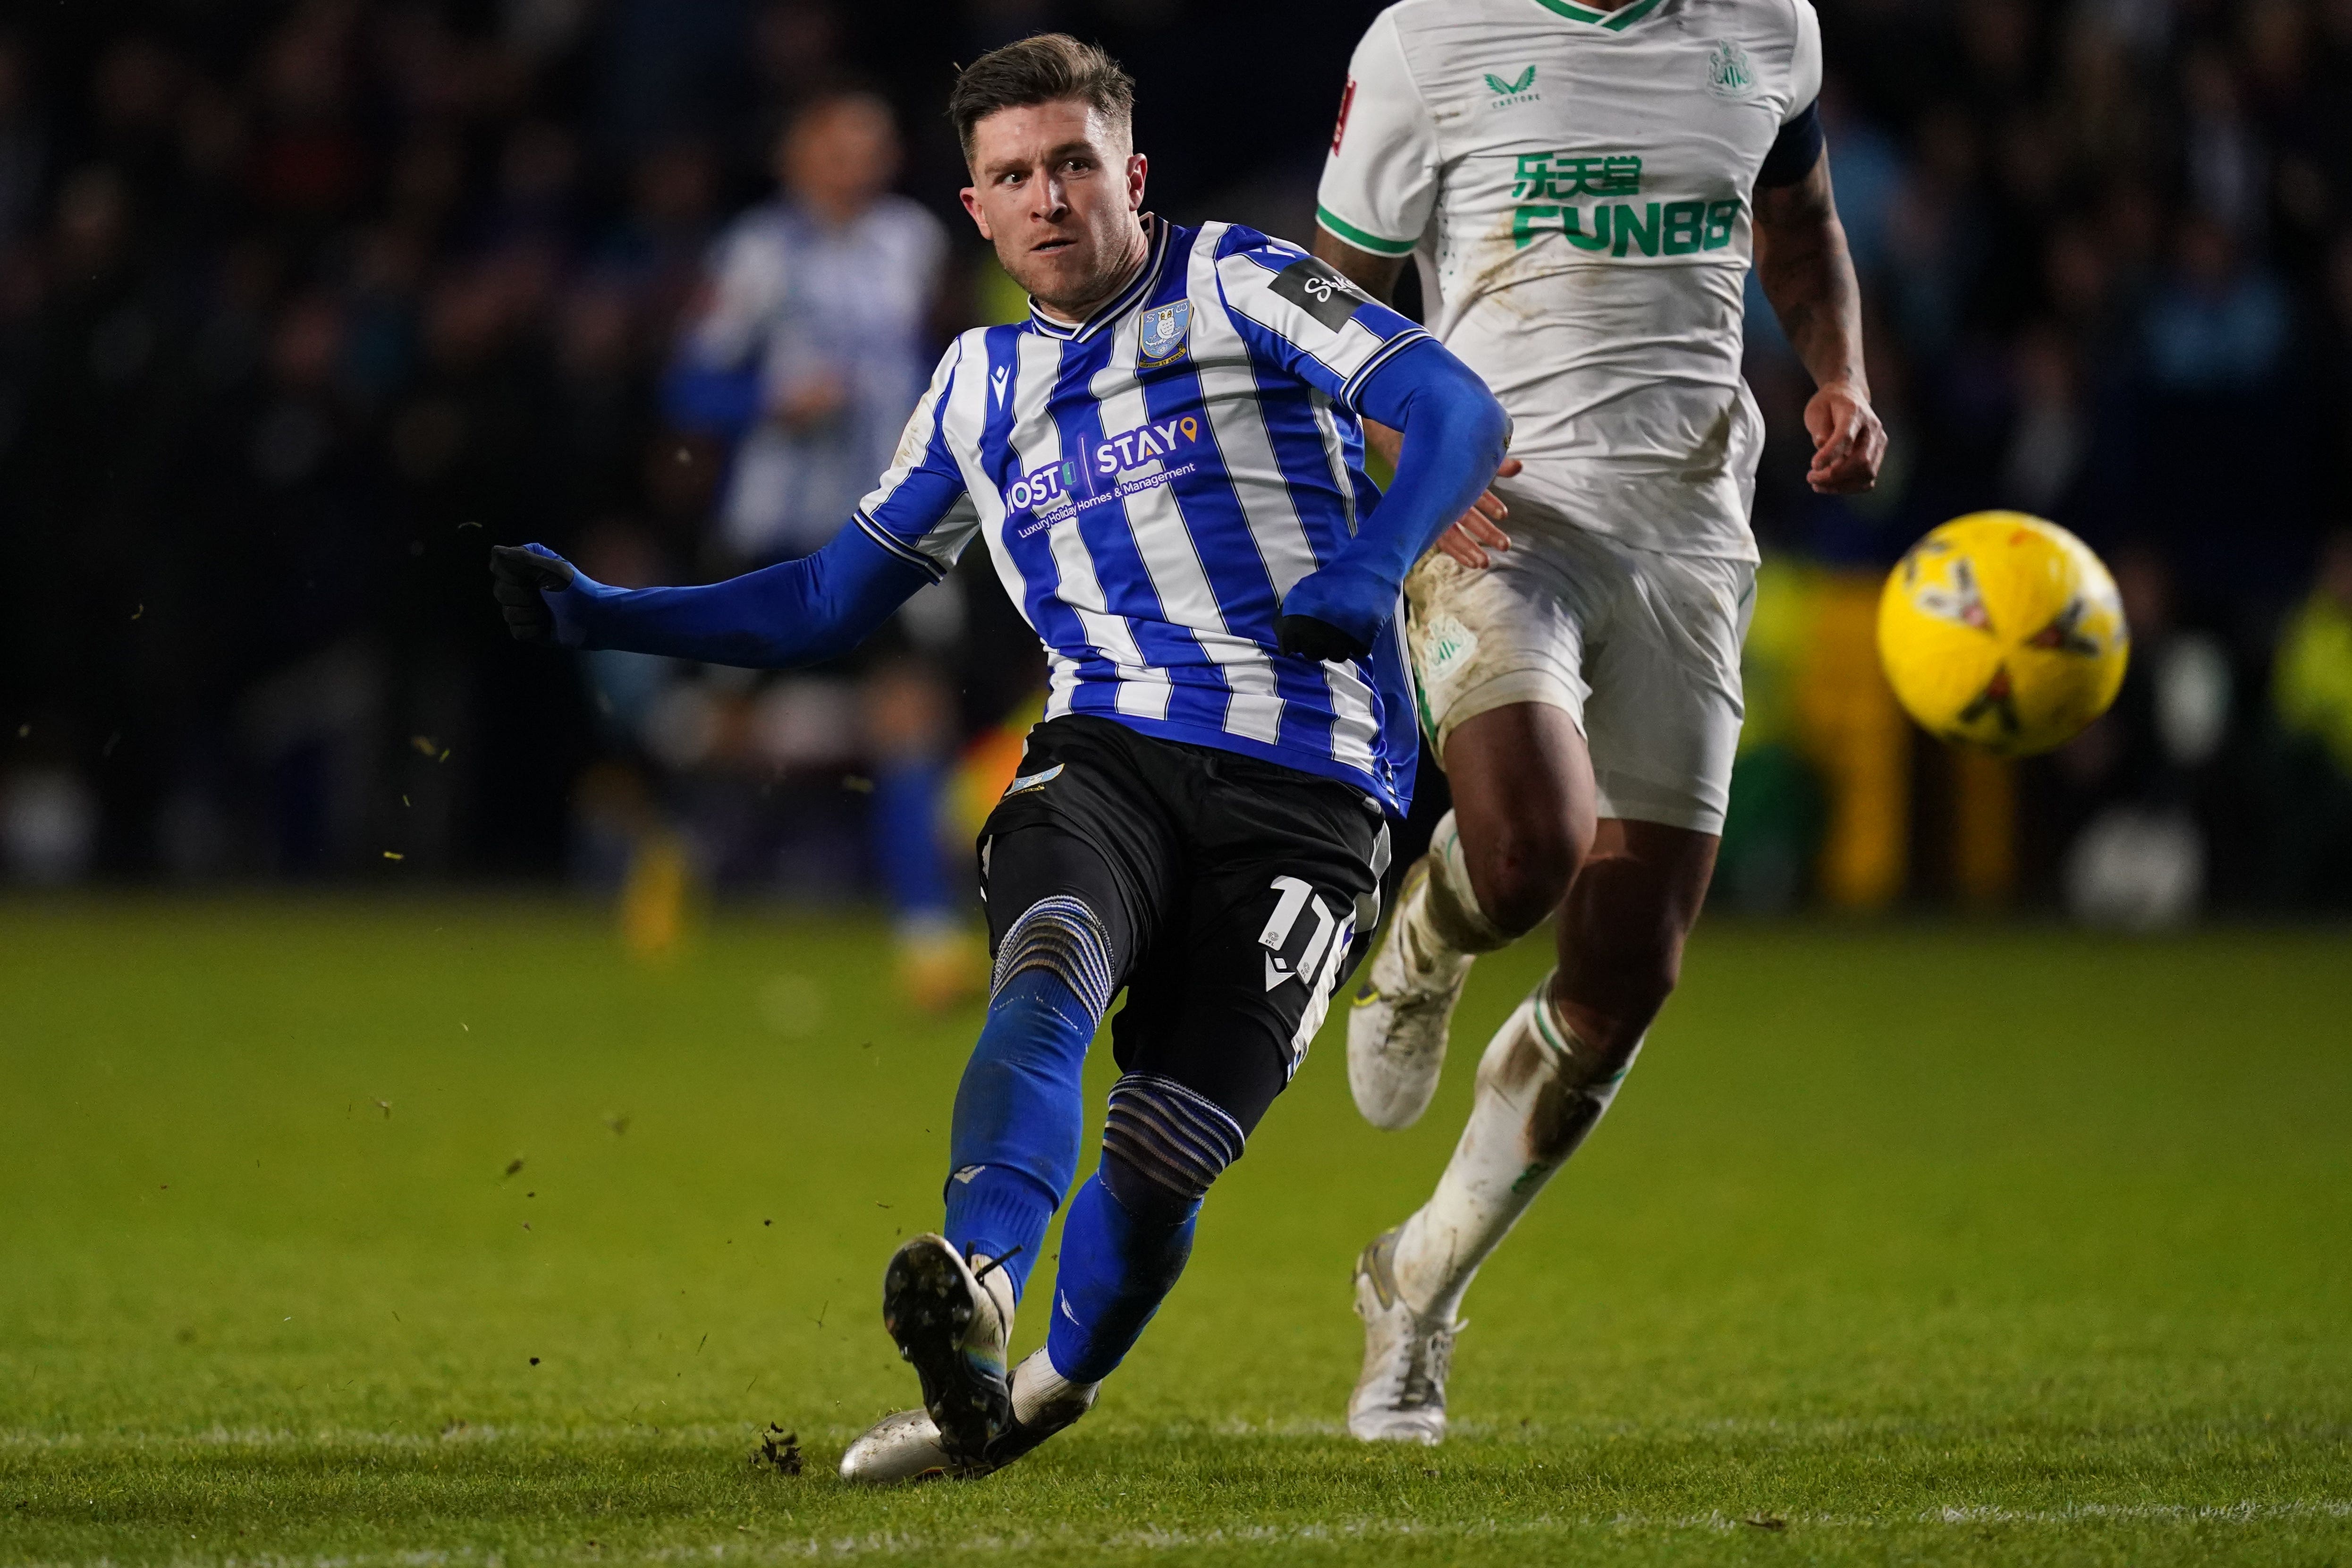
1521,873
1163,1145
1063,937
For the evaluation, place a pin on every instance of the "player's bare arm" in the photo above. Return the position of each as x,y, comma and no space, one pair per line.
1478,530
1807,273
1375,275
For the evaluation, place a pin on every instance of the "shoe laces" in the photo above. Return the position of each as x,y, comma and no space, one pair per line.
993,1264
1428,1366
1003,1306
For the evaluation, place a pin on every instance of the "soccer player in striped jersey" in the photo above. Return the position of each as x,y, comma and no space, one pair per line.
1165,463
1579,186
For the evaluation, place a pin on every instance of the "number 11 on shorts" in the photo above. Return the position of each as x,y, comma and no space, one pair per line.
1316,967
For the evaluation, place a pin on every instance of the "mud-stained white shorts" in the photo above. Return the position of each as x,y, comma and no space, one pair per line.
1641,649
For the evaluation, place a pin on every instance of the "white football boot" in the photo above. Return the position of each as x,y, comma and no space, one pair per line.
908,1446
899,1448
1400,1394
1396,1028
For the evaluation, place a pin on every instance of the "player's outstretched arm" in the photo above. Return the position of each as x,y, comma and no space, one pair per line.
1455,433
801,612
1807,273
1480,528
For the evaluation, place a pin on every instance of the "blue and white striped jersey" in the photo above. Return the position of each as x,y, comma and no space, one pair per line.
1151,482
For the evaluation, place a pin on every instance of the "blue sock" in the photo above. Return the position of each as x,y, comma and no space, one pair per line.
1116,1270
1020,1116
904,829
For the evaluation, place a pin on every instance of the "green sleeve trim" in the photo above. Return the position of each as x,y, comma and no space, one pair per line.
1357,237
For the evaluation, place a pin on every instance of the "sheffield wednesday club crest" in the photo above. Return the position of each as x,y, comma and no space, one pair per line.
1161,333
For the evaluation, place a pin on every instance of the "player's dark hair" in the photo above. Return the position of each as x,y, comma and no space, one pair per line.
834,92
830,96
1044,69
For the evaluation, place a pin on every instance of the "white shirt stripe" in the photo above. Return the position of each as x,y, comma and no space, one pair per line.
1229,395
1170,556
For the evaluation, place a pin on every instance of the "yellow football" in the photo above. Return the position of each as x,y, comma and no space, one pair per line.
2002,631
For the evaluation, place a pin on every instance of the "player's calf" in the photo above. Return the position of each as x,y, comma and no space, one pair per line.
1014,1142
1622,929
1541,1092
1129,1231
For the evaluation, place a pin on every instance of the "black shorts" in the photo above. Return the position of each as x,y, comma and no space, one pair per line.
1237,895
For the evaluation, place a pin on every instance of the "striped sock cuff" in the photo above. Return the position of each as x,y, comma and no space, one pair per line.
1580,1067
1064,937
1180,1140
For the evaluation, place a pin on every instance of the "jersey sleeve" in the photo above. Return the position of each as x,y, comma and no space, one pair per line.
921,511
1805,62
1380,179
1301,315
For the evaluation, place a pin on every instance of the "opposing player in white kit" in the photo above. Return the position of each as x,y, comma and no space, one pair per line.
1580,189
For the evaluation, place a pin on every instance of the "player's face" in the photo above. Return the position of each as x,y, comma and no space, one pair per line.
1057,187
841,156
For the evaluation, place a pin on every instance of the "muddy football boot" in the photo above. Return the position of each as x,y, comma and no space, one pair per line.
1400,1394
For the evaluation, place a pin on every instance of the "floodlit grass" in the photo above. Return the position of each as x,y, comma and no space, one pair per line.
1905,1245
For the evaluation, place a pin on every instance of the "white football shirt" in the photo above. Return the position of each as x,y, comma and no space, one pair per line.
1574,187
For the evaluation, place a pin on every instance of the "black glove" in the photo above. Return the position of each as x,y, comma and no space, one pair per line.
517,575
1320,640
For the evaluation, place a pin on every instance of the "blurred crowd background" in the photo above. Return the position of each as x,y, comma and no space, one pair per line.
303,306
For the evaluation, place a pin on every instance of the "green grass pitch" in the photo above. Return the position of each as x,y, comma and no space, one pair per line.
346,1234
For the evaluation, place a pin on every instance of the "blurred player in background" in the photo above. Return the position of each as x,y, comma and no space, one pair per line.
813,339
1164,460
1580,188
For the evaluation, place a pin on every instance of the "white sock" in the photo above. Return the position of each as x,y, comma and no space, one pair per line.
1038,1388
1440,923
997,1286
1540,1090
